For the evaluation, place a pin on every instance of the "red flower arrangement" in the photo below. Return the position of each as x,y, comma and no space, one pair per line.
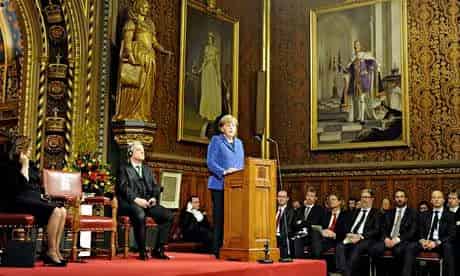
96,176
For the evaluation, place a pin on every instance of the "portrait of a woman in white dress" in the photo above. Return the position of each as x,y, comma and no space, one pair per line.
211,89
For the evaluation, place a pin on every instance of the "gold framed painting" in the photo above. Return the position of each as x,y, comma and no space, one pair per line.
359,80
208,78
171,182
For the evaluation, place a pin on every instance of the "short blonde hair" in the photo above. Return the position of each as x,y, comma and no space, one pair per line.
227,119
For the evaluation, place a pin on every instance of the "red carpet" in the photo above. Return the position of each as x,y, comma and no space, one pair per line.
181,264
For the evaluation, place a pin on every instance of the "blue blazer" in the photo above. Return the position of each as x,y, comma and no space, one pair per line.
222,155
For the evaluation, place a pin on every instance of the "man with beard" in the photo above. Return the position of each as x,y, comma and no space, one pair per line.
308,215
398,229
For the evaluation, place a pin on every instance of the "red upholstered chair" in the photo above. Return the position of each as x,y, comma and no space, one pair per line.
431,257
125,225
23,223
66,186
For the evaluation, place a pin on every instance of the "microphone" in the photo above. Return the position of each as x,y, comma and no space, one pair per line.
283,259
277,152
258,137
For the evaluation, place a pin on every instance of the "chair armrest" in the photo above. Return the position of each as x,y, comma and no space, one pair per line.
63,198
101,200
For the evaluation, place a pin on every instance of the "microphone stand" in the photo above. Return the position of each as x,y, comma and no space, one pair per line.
287,259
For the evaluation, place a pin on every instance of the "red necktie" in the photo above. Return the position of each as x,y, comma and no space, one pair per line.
334,222
278,218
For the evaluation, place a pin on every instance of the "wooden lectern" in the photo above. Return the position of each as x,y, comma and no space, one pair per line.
250,206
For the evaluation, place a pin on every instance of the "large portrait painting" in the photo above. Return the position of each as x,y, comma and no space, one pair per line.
359,84
208,81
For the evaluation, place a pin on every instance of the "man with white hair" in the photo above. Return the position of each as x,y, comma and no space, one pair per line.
138,194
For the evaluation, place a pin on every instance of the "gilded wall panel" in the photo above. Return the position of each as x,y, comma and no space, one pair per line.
433,86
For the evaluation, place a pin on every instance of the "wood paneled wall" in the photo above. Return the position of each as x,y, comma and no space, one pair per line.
418,186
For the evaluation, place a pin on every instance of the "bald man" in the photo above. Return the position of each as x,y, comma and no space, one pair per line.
436,234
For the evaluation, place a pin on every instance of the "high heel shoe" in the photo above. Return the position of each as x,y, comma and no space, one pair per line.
48,261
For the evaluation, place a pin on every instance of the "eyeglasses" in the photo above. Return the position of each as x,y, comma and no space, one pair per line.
366,196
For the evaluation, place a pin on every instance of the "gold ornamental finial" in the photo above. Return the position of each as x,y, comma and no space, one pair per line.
211,4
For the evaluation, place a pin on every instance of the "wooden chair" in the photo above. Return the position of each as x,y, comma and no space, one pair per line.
431,257
20,226
67,187
125,225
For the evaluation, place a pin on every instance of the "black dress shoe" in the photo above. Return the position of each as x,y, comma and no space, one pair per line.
143,256
159,254
50,262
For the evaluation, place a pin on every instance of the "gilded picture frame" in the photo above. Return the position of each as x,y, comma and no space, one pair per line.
209,54
171,182
358,75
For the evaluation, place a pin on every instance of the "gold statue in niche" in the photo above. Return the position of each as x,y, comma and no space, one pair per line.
138,64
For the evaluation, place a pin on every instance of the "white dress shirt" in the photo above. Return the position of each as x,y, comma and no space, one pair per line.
279,213
436,230
358,218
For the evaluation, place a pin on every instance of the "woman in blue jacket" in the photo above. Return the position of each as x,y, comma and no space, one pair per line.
225,155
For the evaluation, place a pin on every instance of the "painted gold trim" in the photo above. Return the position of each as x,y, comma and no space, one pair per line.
33,101
217,14
77,31
405,136
266,39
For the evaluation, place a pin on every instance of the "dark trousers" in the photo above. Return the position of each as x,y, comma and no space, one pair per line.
218,217
398,251
162,216
282,243
445,249
299,246
202,235
319,244
348,256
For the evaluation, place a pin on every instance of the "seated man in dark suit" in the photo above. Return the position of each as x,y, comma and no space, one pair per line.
306,216
194,223
284,220
333,225
453,202
138,195
363,230
436,233
398,229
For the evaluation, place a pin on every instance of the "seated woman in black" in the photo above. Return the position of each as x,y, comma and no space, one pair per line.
194,223
22,194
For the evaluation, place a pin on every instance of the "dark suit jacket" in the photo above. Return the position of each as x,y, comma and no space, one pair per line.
371,226
314,217
457,227
130,184
340,226
408,227
190,227
287,222
14,183
446,225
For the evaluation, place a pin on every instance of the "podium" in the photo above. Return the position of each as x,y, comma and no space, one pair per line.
250,206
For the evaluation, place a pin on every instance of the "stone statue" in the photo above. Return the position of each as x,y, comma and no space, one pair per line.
138,65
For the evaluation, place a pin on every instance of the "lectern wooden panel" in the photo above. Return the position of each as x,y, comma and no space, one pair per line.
250,205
